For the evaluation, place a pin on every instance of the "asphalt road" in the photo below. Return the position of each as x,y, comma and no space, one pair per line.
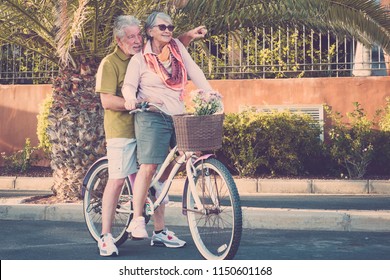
47,240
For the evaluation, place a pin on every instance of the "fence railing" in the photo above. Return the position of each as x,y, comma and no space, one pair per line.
285,53
259,53
20,66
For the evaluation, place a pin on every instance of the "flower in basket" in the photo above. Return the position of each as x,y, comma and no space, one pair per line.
206,102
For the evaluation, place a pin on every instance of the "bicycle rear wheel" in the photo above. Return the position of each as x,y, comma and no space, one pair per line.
92,205
217,230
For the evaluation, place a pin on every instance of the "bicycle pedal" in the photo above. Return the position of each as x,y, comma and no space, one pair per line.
149,208
136,238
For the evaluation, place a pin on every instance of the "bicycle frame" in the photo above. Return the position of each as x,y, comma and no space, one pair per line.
187,158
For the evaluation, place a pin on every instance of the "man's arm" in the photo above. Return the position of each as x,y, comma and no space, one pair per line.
194,34
117,103
112,102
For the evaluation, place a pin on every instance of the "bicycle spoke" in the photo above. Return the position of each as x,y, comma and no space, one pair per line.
93,205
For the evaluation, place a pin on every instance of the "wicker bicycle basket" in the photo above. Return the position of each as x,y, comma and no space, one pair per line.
198,133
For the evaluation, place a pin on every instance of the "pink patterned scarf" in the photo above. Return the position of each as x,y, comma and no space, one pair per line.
178,78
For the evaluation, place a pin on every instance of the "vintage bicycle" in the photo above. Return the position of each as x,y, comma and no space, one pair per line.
210,198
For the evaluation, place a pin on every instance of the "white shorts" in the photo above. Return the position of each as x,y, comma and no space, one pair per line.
122,157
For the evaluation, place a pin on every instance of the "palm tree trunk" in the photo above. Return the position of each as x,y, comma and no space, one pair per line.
75,130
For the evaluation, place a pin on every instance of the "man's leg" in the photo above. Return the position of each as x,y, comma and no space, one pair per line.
109,202
121,163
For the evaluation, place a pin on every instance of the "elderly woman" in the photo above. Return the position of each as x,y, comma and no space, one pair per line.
158,74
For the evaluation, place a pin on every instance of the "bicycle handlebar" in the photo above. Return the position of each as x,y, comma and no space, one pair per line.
145,106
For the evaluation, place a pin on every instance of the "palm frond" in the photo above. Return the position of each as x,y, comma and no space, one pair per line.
66,29
27,11
367,20
70,20
16,17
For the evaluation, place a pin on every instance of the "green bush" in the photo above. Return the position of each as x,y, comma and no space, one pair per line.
381,156
351,144
20,161
278,143
384,123
290,141
240,143
44,140
379,165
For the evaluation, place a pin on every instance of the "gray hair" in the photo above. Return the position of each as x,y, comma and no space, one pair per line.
151,20
121,22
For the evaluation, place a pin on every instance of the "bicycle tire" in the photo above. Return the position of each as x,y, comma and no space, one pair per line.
92,205
216,234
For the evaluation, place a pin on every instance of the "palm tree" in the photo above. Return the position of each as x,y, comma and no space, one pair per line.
77,34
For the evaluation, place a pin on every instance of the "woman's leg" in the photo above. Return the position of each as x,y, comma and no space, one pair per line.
141,186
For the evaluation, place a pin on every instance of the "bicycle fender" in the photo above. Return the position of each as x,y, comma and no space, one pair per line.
204,157
185,190
90,169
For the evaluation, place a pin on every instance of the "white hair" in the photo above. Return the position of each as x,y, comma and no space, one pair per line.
121,22
151,20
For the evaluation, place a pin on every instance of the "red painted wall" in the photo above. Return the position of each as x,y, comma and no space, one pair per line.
19,104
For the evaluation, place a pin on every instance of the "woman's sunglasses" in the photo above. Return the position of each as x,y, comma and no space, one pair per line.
163,27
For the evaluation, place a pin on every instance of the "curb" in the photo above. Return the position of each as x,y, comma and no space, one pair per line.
244,185
26,183
253,218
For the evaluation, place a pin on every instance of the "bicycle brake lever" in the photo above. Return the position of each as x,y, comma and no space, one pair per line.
140,107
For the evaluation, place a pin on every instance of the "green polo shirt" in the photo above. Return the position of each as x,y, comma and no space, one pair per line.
109,80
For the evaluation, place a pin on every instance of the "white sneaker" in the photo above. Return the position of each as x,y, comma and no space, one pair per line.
158,188
137,228
107,246
166,238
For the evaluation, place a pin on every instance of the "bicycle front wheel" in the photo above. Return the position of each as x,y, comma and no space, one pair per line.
217,229
92,205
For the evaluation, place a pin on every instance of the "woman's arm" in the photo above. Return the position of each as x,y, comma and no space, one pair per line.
194,72
131,82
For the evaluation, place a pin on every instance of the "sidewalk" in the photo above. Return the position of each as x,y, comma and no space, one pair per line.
255,186
343,219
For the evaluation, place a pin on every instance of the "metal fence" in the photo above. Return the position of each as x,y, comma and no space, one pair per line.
21,66
260,53
286,53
